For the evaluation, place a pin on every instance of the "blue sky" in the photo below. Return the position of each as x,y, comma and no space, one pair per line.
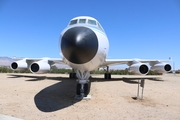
145,29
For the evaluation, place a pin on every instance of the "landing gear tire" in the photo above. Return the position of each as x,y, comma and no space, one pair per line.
72,75
78,89
107,75
87,87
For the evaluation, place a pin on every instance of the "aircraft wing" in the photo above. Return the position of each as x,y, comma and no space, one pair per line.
35,65
110,62
51,61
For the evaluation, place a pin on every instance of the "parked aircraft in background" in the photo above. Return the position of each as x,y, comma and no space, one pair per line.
84,47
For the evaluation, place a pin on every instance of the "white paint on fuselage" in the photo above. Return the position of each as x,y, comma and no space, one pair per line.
99,58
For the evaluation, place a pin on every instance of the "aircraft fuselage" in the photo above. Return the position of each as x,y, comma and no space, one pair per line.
83,46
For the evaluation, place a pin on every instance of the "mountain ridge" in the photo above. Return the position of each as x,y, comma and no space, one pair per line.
5,61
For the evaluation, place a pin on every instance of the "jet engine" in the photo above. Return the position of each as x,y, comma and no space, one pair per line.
19,65
139,69
161,68
40,67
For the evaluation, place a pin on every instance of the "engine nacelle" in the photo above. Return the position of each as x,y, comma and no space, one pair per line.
139,69
19,65
161,68
40,67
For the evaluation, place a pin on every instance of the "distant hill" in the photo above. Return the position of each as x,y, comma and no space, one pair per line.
5,61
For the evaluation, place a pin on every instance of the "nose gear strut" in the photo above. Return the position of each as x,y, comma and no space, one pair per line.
83,86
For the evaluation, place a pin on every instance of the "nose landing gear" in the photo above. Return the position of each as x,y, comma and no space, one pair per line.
83,86
83,89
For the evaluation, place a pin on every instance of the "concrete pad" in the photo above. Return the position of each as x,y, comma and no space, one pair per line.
5,117
79,97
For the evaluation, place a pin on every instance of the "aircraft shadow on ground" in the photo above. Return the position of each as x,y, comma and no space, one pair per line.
54,97
61,94
32,78
93,79
57,96
36,78
125,79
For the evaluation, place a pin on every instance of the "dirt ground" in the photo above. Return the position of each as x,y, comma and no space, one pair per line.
51,96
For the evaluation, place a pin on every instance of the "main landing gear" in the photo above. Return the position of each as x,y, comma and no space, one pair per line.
107,75
72,74
83,86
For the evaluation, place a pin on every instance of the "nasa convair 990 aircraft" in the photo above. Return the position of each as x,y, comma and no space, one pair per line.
84,47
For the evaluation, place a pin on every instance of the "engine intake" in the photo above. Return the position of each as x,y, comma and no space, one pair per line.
143,69
40,67
14,65
161,68
35,67
167,67
139,69
19,65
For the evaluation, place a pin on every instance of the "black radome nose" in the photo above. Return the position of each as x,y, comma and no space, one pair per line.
79,45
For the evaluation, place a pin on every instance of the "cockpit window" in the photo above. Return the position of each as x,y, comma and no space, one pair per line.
82,20
100,27
92,22
73,22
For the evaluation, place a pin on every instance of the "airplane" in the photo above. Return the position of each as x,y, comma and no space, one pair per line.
84,47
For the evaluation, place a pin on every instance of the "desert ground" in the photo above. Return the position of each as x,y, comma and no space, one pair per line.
51,97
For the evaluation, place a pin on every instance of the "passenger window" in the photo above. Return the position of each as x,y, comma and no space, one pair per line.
92,22
82,20
73,22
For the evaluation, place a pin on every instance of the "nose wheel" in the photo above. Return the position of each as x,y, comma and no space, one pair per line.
83,89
